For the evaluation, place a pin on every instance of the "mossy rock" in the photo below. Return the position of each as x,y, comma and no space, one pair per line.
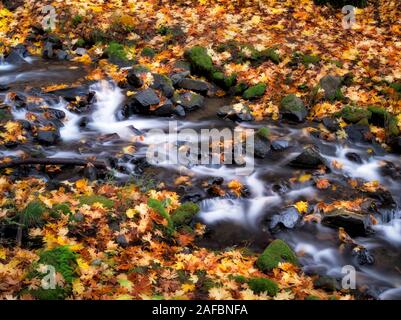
116,50
239,88
148,52
33,214
255,91
263,132
293,108
92,199
223,81
200,61
271,54
64,261
184,213
276,252
353,114
5,115
310,59
259,285
382,118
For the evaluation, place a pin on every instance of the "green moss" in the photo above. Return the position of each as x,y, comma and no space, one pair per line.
5,115
33,213
276,252
223,81
271,55
164,30
263,132
240,88
200,61
80,43
184,213
310,59
90,200
363,122
381,117
64,262
255,91
259,285
396,86
239,279
159,208
116,50
312,297
148,52
353,114
292,103
77,19
391,126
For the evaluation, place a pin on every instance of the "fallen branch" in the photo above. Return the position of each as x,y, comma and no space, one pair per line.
53,161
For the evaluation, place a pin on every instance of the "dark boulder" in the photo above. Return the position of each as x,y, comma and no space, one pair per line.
261,145
141,102
358,133
354,223
198,86
16,56
179,76
165,110
331,124
354,157
134,78
292,108
363,256
48,51
332,87
48,137
55,113
164,84
179,111
189,100
309,158
236,112
395,144
280,145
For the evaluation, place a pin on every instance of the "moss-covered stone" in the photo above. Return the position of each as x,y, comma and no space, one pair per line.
276,252
293,108
200,61
271,54
90,200
63,260
353,114
222,80
240,88
116,50
184,213
148,52
33,214
310,59
259,285
381,117
263,132
254,92
158,206
5,115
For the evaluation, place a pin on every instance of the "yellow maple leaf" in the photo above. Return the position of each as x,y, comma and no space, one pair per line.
304,178
130,213
187,287
302,206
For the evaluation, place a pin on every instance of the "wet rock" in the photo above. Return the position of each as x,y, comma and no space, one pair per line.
55,113
165,110
182,65
389,169
292,108
179,111
134,78
280,145
84,121
198,86
122,241
48,137
354,157
90,172
308,159
63,55
254,92
19,101
236,112
4,87
15,57
353,114
289,218
48,51
331,124
135,131
5,115
363,256
179,76
354,223
261,145
80,51
164,84
395,144
358,133
332,87
85,96
189,100
192,197
142,101
326,283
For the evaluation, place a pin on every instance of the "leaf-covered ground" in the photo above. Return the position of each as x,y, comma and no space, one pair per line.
123,243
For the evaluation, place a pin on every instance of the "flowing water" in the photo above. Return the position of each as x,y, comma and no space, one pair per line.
232,221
